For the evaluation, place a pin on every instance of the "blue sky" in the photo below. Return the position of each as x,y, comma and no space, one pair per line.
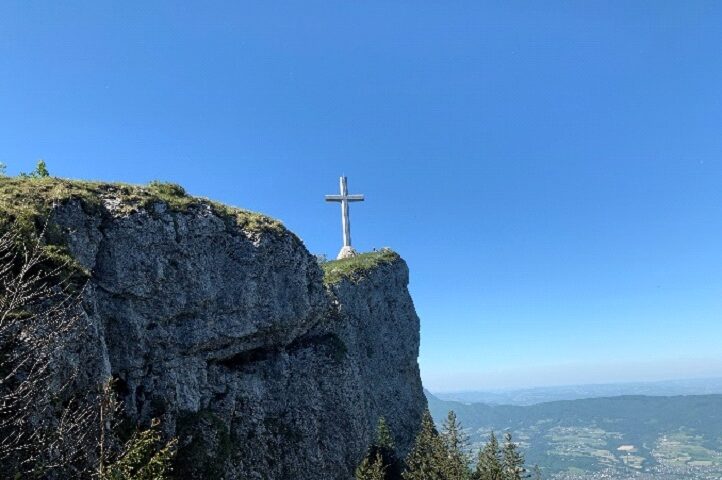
551,172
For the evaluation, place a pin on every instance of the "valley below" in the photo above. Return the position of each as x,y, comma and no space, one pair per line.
623,437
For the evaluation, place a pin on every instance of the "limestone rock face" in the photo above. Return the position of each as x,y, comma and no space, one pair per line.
231,338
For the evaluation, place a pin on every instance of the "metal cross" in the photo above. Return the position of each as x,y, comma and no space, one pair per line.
345,198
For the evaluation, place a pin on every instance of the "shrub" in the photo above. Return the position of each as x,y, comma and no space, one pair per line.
41,170
144,457
166,188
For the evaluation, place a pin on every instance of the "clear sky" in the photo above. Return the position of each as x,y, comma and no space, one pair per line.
551,171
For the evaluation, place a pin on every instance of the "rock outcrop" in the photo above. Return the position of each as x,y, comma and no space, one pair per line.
223,326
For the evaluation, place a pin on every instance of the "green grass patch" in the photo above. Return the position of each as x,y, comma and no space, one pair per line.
25,198
26,204
354,268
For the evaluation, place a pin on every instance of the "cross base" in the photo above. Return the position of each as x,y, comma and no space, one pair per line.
346,252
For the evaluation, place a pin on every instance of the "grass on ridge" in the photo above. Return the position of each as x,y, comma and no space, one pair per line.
336,270
26,199
26,204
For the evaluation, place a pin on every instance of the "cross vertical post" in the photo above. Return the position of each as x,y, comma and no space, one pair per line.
344,199
345,220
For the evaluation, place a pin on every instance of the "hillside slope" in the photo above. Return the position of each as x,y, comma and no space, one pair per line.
668,434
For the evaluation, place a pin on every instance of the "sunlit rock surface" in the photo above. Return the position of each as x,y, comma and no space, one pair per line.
227,333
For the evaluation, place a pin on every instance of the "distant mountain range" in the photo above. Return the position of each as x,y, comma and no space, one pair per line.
531,396
640,437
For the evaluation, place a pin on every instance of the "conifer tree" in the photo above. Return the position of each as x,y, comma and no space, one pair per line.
41,170
371,468
383,435
537,473
381,456
385,447
426,459
513,460
456,445
489,461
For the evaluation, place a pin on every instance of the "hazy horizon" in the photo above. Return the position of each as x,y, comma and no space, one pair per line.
568,385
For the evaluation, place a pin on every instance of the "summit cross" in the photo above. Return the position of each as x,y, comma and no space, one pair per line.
347,250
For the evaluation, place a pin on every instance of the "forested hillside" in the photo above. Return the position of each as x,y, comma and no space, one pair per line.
637,433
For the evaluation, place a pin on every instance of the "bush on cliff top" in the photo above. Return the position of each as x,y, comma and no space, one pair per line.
353,268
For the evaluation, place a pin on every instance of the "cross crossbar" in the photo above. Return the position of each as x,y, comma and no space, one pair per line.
341,198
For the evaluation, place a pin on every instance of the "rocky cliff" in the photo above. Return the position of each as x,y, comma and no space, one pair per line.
220,323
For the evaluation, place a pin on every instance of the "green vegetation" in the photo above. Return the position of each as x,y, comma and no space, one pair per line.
489,461
145,457
456,444
441,456
354,268
427,457
31,198
371,468
684,448
41,171
381,461
513,459
35,193
620,434
27,202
